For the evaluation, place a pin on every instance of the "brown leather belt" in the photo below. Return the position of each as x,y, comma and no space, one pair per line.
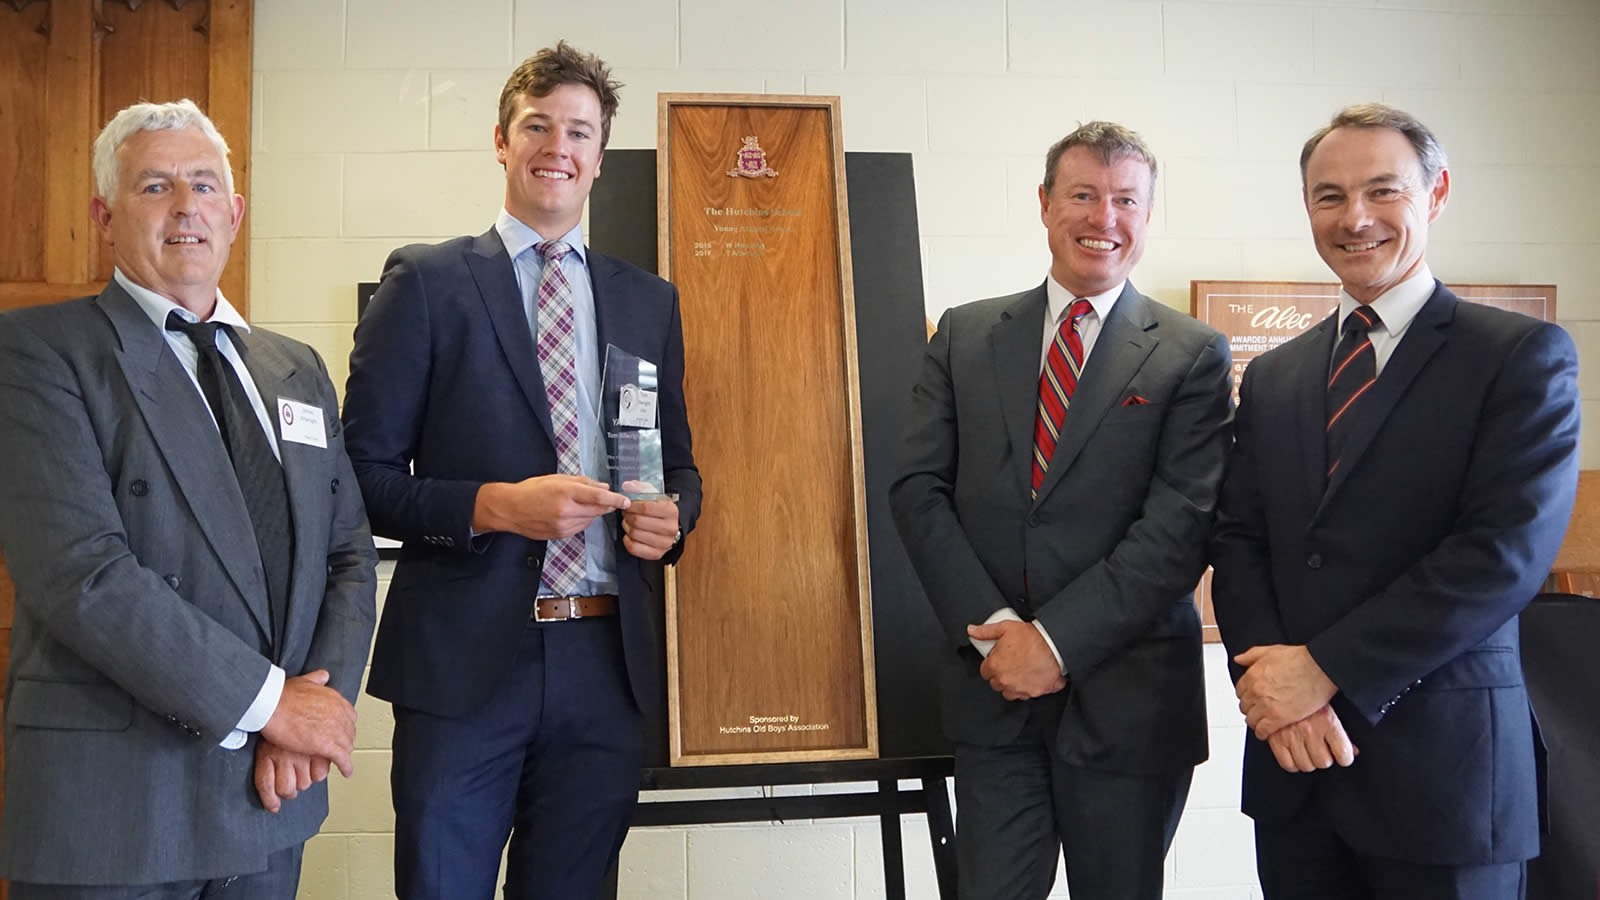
560,609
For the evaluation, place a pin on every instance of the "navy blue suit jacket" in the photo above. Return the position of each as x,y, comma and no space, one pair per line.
444,395
1405,572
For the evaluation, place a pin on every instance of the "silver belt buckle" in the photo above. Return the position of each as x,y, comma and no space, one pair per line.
572,610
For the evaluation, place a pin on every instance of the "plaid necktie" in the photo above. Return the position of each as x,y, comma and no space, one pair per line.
1355,368
260,475
1062,365
564,561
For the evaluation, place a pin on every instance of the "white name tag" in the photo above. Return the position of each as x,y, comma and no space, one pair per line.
636,407
301,423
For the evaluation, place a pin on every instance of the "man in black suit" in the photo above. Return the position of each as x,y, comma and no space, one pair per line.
517,643
1401,481
1056,493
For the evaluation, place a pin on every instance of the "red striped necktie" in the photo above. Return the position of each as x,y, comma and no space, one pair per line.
1062,366
1355,368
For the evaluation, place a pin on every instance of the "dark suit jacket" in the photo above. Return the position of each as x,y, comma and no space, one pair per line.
1108,555
445,394
141,633
1404,576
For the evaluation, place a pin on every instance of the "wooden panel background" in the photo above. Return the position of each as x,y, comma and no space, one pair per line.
1259,315
769,610
65,68
76,63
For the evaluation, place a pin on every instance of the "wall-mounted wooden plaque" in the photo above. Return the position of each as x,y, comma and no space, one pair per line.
1257,316
769,616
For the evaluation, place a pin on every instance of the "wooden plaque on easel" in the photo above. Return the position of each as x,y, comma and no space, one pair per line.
769,615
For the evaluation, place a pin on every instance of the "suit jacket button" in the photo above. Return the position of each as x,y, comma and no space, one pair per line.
1314,561
334,486
1033,520
173,581
139,487
534,562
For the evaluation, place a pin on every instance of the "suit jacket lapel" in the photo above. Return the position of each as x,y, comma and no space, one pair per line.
491,268
1310,407
609,317
1015,342
183,431
606,318
1421,341
1125,342
276,375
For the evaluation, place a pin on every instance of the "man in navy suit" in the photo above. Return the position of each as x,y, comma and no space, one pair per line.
1401,481
518,643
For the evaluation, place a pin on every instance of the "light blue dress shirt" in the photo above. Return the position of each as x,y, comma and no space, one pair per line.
600,569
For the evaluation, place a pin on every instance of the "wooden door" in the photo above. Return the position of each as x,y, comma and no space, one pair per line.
68,66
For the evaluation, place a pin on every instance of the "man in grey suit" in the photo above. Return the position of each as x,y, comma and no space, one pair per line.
1060,472
194,573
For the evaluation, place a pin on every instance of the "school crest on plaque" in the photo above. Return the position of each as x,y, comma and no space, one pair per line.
752,161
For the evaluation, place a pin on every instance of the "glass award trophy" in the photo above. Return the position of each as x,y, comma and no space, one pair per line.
628,420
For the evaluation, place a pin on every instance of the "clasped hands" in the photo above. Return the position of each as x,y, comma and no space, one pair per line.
1285,696
1020,666
312,730
549,507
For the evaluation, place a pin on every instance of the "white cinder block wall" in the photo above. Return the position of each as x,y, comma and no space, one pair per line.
372,128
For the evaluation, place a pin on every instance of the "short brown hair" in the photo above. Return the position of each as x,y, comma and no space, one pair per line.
1377,115
553,67
1108,140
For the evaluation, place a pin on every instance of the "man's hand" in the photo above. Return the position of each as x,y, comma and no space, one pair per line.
1021,666
649,527
282,774
314,720
543,508
1281,685
1315,742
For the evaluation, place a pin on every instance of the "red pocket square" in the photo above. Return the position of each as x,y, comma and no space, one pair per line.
1134,400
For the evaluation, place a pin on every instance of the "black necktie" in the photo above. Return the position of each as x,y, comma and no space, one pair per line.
1355,368
260,476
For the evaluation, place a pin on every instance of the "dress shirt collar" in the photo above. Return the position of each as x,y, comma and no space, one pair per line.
156,307
1058,299
519,237
1397,306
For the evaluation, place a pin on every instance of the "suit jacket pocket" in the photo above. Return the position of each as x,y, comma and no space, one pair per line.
69,705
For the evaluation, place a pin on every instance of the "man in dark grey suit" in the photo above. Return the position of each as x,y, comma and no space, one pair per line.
194,573
1056,494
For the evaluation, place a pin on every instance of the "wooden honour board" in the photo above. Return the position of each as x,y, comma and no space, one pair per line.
1257,316
768,616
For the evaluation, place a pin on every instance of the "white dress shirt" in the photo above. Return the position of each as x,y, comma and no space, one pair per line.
157,307
1058,301
600,565
1397,307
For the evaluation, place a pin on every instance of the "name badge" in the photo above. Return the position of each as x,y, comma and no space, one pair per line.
301,423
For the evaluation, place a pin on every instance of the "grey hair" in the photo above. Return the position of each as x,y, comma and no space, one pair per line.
174,116
1108,140
1377,115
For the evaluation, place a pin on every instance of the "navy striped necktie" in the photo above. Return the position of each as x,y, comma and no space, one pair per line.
1355,368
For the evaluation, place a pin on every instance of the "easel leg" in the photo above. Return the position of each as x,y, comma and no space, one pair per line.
894,867
942,834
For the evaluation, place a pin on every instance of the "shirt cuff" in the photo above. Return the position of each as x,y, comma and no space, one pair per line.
1052,645
1003,614
260,712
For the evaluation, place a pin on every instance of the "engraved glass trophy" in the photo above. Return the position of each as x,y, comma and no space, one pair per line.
628,420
